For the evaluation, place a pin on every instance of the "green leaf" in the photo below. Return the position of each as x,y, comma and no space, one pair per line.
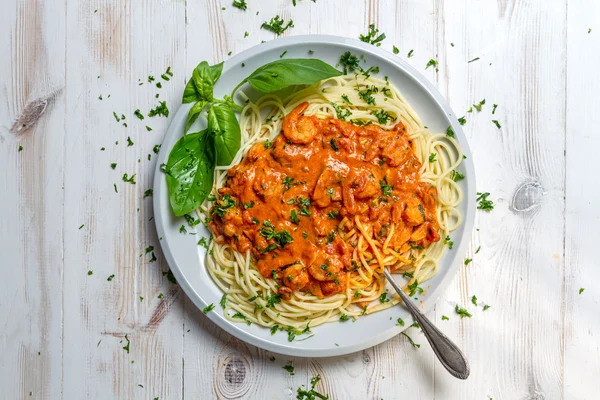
287,72
194,113
190,171
225,129
200,87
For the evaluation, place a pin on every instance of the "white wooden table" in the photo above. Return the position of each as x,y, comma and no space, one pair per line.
62,331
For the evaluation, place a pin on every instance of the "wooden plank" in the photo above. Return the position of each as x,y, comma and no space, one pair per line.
515,346
580,313
112,48
32,76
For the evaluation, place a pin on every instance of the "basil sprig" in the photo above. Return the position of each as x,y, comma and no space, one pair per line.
200,89
191,164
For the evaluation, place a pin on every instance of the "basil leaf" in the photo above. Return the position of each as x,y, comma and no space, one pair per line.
194,113
190,171
294,71
200,87
225,128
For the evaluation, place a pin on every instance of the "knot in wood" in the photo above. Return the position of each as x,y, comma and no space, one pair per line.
527,197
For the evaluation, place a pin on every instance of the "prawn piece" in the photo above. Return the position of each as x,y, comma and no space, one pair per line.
324,268
295,277
297,128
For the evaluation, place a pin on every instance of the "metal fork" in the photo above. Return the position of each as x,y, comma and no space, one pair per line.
446,351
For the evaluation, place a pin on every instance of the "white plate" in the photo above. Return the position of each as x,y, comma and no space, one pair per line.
186,258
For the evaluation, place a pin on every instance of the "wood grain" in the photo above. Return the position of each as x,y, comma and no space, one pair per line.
64,333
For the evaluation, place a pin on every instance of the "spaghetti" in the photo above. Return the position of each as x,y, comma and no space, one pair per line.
306,220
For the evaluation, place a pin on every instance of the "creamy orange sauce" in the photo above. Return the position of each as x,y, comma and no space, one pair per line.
284,202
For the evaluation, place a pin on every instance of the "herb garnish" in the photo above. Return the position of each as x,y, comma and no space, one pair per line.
311,394
415,345
373,37
160,109
484,203
208,308
462,312
495,121
276,25
449,242
457,176
241,4
289,368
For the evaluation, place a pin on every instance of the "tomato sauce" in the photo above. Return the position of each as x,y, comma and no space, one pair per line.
285,200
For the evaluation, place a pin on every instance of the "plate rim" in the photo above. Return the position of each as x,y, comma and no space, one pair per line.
468,197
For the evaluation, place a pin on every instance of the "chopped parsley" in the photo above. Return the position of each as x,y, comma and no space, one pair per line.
449,242
383,298
138,114
383,117
495,121
474,300
282,237
129,179
485,307
462,312
415,345
346,99
126,347
274,299
373,36
432,157
223,205
160,109
475,59
462,120
581,290
283,54
202,242
484,203
386,189
223,301
129,142
395,50
477,251
148,192
311,394
208,308
494,106
333,214
414,288
341,114
344,317
444,318
468,261
110,277
457,176
20,148
367,95
241,4
90,272
294,217
478,106
410,53
277,25
432,63
450,131
350,62
400,322
241,316
334,146
289,368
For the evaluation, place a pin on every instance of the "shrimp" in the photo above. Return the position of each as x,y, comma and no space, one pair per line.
299,129
295,277
325,268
